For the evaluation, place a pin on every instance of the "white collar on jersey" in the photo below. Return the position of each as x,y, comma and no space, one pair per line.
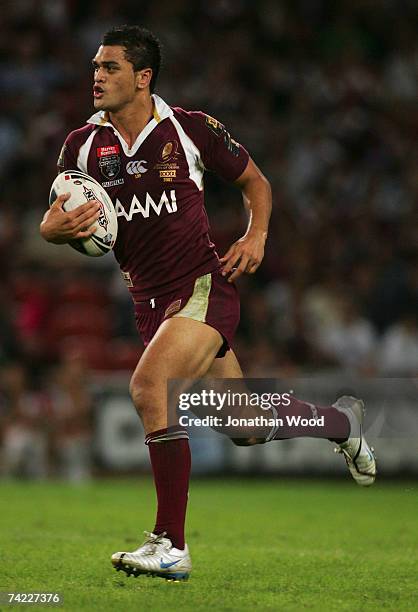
161,111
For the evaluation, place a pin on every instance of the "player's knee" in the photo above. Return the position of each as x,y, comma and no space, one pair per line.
142,391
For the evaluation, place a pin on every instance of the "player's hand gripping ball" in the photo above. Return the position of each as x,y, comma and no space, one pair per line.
84,188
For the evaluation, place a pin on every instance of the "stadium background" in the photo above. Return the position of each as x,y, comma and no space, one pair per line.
324,96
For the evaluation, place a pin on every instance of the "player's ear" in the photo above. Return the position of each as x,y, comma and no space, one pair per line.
143,78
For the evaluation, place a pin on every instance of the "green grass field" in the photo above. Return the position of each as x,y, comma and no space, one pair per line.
256,544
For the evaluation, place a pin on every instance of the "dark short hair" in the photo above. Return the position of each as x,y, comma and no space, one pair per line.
142,48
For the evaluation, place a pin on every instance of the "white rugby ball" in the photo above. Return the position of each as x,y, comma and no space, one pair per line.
82,188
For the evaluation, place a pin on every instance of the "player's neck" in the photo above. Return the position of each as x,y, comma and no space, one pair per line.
131,120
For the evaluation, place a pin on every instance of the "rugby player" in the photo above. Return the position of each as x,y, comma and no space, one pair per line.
151,158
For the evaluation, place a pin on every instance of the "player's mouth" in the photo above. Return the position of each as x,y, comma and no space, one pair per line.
97,92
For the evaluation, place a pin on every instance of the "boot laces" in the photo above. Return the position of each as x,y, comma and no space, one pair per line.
152,541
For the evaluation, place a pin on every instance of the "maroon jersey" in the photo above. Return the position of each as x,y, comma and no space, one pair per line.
157,190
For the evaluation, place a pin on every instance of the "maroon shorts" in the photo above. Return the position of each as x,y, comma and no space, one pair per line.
209,298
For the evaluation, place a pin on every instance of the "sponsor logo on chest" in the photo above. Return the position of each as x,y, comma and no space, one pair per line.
145,208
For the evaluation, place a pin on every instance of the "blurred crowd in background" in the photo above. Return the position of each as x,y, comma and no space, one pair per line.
324,96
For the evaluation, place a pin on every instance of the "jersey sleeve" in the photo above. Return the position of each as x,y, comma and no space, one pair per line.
66,159
219,152
68,156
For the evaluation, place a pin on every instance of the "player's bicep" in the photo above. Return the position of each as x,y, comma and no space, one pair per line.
251,173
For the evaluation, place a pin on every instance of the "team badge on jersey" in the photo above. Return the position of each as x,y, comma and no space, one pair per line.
168,151
217,128
167,159
109,161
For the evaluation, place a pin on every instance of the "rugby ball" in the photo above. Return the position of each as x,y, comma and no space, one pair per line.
82,188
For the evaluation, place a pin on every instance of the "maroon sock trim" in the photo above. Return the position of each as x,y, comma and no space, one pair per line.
168,433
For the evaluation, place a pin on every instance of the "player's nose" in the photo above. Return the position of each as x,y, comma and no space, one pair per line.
99,76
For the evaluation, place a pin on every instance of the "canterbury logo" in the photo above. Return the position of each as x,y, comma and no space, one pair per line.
136,167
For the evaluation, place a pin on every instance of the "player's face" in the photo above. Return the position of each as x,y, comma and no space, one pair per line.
114,79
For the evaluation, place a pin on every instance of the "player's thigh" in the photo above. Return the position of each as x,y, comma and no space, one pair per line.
226,367
181,349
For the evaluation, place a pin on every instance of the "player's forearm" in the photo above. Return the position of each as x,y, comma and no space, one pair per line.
257,201
246,254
